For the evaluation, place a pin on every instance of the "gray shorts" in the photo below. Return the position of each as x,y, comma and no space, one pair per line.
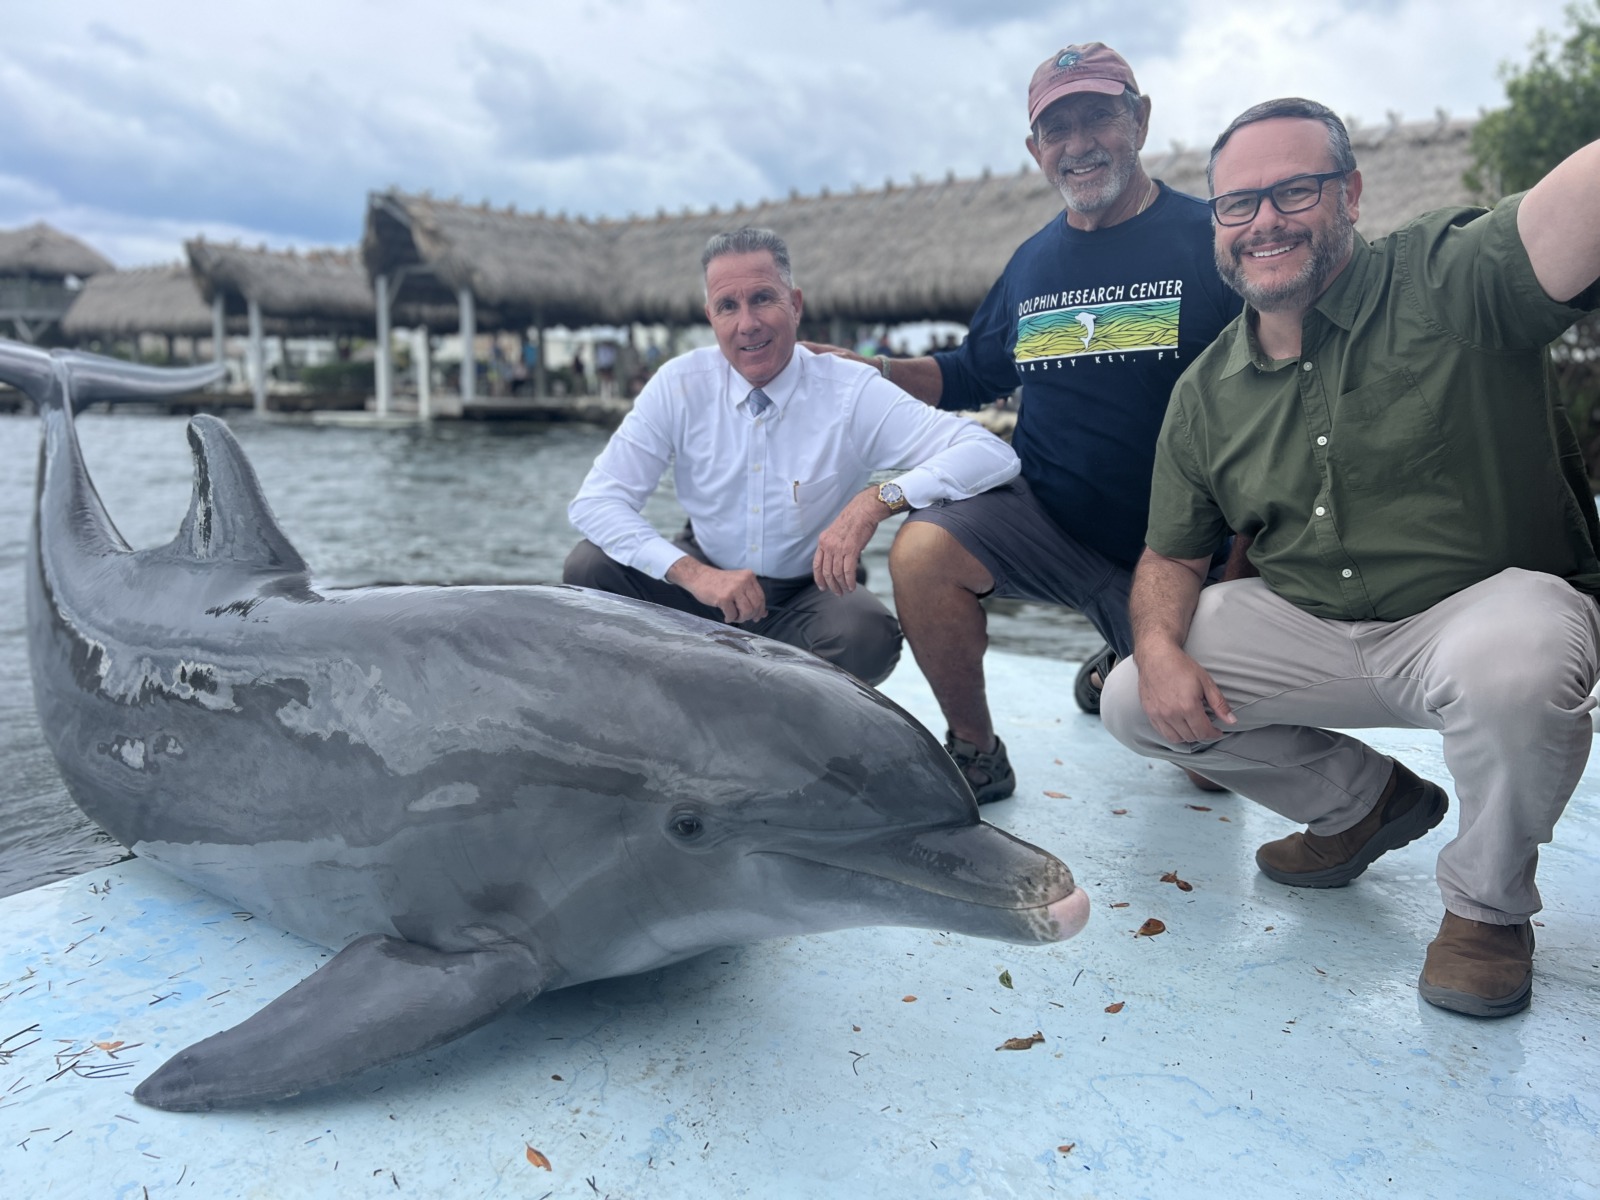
1030,557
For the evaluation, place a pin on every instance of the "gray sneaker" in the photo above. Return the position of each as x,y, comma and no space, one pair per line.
988,772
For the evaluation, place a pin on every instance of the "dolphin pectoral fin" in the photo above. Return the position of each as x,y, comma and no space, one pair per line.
377,1000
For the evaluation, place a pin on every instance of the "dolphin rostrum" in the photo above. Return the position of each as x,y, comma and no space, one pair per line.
472,794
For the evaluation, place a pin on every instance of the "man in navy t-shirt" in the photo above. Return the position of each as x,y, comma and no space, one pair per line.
1094,317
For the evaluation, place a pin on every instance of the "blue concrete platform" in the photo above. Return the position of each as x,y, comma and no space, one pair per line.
1269,1043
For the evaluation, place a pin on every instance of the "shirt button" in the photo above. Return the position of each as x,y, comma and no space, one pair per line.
1321,512
1305,366
1347,572
1322,441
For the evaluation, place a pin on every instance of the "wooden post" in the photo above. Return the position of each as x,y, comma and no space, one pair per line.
541,380
219,331
381,363
258,366
469,349
422,363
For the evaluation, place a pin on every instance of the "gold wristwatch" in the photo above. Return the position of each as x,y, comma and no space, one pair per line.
893,495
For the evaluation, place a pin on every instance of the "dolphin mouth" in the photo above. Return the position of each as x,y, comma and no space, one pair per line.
976,864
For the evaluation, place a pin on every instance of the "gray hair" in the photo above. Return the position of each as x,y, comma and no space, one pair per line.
1344,158
749,241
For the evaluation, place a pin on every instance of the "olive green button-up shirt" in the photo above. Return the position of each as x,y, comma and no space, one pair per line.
1415,447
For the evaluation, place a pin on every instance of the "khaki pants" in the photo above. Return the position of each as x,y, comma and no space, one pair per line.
1502,669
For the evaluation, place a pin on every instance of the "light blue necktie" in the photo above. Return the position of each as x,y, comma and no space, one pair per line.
759,402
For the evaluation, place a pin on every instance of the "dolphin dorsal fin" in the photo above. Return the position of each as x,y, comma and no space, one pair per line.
229,518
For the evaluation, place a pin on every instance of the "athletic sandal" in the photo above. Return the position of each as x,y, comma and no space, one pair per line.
1479,969
988,772
1308,859
1092,678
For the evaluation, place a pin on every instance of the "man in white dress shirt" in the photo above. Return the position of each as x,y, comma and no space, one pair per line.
771,448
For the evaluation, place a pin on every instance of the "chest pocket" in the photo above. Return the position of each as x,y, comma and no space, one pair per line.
1385,433
811,504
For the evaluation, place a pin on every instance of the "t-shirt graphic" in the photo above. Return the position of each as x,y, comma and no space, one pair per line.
1116,327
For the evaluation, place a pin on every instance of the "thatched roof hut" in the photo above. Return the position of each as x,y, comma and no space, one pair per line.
162,300
40,252
924,251
318,291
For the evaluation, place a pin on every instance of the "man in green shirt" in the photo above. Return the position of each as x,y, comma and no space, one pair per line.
1380,421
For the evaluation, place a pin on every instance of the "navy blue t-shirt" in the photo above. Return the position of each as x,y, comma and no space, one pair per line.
1096,328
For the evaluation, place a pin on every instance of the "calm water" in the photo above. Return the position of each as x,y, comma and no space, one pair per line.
455,503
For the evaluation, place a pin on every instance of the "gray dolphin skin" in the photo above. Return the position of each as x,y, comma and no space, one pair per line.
472,794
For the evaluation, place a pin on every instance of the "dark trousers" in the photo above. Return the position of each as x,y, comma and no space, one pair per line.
854,631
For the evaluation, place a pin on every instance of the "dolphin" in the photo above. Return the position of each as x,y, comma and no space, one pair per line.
472,794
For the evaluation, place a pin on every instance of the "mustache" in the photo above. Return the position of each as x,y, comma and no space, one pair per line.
1240,249
1097,158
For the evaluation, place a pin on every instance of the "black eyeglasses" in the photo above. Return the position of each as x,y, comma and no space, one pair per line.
1292,195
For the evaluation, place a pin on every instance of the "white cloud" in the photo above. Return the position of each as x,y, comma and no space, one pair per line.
160,120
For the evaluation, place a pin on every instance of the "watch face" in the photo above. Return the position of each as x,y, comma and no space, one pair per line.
891,494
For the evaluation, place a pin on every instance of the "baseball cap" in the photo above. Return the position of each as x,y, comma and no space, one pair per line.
1091,67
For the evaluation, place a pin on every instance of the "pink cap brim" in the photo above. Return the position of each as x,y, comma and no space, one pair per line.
1106,87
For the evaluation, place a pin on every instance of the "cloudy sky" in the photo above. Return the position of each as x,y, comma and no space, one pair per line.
136,125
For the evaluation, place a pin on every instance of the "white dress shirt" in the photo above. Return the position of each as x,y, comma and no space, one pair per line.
760,490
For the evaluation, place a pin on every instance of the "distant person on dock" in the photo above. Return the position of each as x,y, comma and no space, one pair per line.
1094,318
1381,422
771,447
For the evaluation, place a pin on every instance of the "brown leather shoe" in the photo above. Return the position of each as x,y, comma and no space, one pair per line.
1479,969
1409,807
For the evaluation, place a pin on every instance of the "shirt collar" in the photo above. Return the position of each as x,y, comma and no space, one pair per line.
778,389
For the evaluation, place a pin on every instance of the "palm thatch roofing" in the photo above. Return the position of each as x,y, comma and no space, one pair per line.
41,252
923,251
298,292
163,300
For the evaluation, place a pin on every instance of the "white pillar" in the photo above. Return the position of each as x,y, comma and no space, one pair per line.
422,363
469,352
258,366
382,363
219,331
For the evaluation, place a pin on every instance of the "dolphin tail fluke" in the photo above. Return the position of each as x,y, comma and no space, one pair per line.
51,379
229,517
377,1000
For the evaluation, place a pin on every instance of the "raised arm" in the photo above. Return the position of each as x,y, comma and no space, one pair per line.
1559,222
920,377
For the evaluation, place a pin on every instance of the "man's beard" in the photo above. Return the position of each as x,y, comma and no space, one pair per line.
1329,248
1089,198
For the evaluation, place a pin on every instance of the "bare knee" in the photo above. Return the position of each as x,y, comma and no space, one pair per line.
925,558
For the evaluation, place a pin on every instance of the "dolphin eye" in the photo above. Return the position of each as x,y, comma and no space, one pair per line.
687,826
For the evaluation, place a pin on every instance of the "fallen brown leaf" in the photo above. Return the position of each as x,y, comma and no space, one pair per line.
1119,812
1199,807
1056,795
1183,885
1021,1043
908,999
536,1158
1150,928
1115,1008
558,1079
1068,1148
1119,904
109,1045
855,1029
